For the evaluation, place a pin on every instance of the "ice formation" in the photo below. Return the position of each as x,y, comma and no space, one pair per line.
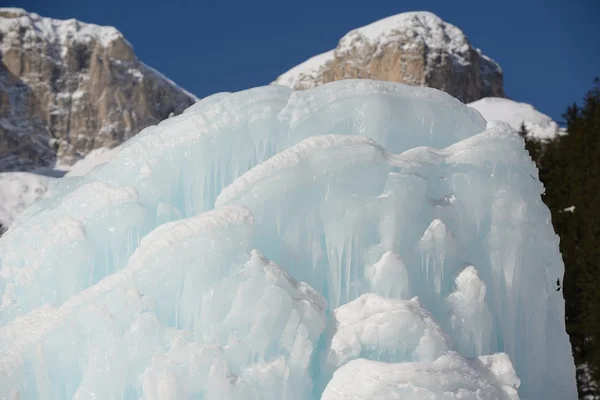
17,191
362,240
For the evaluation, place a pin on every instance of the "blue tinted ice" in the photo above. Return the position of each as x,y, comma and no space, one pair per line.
360,240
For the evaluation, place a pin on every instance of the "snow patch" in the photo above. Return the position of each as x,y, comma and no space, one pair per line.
62,32
17,191
515,113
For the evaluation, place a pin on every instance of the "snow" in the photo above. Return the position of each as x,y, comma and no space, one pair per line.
56,31
358,240
18,190
514,113
309,67
426,26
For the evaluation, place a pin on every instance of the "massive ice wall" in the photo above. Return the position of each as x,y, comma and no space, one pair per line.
361,239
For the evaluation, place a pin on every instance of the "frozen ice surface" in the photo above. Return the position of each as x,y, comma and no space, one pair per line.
385,329
359,240
17,191
449,377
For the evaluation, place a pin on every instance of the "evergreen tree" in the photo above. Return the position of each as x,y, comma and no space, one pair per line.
523,131
532,145
569,167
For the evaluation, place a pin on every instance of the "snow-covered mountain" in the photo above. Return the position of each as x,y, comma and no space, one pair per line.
417,48
68,87
70,91
514,113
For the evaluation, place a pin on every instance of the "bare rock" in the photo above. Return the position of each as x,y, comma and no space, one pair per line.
68,87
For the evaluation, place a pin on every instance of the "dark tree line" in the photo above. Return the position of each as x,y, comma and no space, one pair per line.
569,167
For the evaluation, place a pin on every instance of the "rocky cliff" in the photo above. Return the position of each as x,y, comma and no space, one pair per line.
68,87
416,48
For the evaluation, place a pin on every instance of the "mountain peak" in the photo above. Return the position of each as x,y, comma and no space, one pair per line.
416,48
56,31
423,23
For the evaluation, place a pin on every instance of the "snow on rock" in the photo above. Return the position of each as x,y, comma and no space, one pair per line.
515,113
56,31
436,33
417,48
308,70
73,87
427,27
264,245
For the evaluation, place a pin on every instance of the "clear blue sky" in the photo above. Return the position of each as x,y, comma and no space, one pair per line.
549,49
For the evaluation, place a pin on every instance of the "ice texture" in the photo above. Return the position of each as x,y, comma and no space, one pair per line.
449,377
359,240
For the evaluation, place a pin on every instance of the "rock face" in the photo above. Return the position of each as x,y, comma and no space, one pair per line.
416,48
68,87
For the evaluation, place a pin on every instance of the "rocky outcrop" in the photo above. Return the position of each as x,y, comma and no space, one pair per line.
416,48
67,88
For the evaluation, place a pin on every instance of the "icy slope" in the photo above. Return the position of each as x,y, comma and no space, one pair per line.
359,240
91,160
514,113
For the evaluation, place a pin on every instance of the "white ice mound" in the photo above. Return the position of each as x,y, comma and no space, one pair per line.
447,378
385,329
361,240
